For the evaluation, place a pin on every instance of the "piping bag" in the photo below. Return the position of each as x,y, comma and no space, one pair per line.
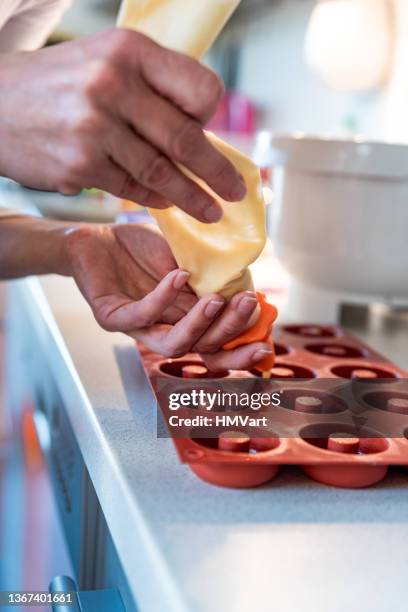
217,255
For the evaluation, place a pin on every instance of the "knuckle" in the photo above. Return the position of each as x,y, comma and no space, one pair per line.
119,39
129,187
106,325
180,352
231,329
212,90
157,174
125,187
68,188
152,54
185,141
172,351
207,347
76,167
124,42
101,314
167,351
87,121
102,77
74,174
145,320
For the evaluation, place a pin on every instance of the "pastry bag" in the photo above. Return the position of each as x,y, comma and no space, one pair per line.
216,255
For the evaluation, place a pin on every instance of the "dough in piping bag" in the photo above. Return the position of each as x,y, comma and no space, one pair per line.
217,255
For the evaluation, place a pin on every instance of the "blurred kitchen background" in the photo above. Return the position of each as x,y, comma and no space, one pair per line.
334,67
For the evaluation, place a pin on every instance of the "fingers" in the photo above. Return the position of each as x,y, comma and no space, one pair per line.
184,303
172,315
191,332
115,180
179,339
242,358
183,336
192,86
182,140
233,321
137,114
147,311
152,173
147,245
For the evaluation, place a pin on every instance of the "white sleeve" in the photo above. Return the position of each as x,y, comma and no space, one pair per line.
31,24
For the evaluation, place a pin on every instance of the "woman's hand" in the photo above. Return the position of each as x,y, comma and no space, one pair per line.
129,277
118,112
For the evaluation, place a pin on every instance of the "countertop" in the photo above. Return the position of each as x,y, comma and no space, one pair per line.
293,545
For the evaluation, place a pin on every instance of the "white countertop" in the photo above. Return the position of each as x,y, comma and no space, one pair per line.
293,545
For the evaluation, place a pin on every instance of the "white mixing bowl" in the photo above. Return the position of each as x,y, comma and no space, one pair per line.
339,219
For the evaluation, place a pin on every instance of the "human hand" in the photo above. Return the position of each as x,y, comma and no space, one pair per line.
118,112
129,277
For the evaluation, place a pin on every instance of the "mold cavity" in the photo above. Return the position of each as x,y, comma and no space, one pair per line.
339,351
391,401
312,402
189,369
362,373
312,331
288,370
280,349
263,445
206,442
342,438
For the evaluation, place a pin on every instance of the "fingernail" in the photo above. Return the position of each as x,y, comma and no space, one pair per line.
261,354
213,213
180,279
247,305
239,190
212,308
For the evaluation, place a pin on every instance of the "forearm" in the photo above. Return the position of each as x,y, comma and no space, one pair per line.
30,245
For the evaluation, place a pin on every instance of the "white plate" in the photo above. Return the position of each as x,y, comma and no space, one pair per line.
84,207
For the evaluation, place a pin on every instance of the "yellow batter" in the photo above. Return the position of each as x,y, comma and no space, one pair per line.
218,255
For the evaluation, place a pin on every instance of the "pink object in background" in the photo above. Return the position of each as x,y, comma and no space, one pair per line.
235,114
241,113
220,121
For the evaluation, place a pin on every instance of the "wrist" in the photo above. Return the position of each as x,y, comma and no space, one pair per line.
65,238
71,240
48,246
33,246
60,262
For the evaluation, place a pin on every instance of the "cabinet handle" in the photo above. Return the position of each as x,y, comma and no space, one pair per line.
102,600
63,584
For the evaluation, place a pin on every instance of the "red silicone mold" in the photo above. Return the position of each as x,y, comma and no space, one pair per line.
335,452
